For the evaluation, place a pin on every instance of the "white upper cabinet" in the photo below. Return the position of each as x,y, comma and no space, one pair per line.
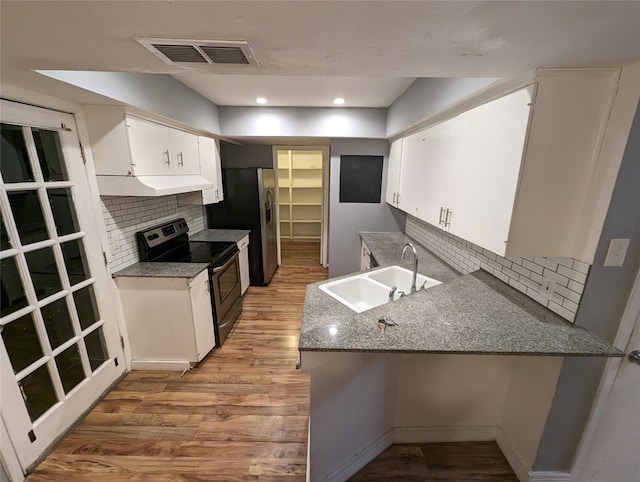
429,174
210,165
393,173
184,152
514,175
128,145
489,162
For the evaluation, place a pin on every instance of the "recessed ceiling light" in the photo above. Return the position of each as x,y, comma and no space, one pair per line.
338,101
261,100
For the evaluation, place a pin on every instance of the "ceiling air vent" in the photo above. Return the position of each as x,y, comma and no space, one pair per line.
212,52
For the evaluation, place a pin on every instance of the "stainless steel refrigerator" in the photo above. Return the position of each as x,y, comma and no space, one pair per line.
249,203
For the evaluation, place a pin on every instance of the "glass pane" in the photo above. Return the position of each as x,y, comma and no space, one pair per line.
64,214
4,237
85,300
13,296
38,391
44,272
57,322
15,165
70,368
50,154
27,213
21,341
75,260
96,348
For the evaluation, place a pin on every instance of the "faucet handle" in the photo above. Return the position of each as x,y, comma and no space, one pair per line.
392,292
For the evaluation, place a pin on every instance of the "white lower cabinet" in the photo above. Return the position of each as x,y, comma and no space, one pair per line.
169,320
243,258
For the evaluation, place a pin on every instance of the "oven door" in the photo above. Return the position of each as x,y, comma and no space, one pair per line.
227,295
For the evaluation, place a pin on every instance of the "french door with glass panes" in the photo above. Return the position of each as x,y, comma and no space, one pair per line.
60,347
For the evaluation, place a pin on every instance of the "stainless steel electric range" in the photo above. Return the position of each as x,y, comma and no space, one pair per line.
169,243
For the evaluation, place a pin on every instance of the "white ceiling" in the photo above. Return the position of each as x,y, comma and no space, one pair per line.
312,51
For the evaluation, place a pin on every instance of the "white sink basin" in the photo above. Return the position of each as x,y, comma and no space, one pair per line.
364,291
359,293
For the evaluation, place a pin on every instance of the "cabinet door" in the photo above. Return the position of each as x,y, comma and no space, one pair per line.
202,314
149,143
209,163
491,148
393,172
427,180
184,152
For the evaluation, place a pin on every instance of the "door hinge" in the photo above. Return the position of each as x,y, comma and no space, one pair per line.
122,342
84,157
104,256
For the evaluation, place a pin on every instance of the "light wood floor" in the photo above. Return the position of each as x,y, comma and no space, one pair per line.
242,414
439,462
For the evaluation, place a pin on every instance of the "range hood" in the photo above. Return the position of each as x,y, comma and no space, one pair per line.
150,185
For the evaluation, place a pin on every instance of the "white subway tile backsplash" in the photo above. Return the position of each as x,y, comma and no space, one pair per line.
527,275
125,215
532,266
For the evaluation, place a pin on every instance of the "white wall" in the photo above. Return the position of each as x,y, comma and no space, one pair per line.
363,402
302,122
427,96
156,93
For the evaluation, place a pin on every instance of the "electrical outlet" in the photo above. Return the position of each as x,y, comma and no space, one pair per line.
617,252
548,288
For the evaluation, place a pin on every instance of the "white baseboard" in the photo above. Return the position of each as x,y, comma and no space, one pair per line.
462,433
175,365
521,469
515,460
549,476
362,459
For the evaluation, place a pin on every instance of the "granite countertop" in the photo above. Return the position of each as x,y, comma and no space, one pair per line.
161,270
233,235
474,313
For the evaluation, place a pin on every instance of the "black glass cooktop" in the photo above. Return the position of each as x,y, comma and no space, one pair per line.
215,253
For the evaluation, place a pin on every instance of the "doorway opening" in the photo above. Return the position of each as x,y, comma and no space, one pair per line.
302,194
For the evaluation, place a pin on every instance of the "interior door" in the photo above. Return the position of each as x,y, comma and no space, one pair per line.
60,347
615,453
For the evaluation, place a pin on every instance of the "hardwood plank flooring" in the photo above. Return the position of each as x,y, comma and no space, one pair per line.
439,462
242,414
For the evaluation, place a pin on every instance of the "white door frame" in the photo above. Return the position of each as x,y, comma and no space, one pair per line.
326,163
21,114
631,313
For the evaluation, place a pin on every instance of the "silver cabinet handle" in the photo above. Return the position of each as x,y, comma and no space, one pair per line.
634,357
394,198
167,159
447,218
398,200
440,220
217,194
180,159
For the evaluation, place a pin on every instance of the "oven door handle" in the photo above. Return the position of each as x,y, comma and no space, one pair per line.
227,264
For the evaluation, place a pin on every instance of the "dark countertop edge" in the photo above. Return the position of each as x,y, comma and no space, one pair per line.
471,353
161,270
231,235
